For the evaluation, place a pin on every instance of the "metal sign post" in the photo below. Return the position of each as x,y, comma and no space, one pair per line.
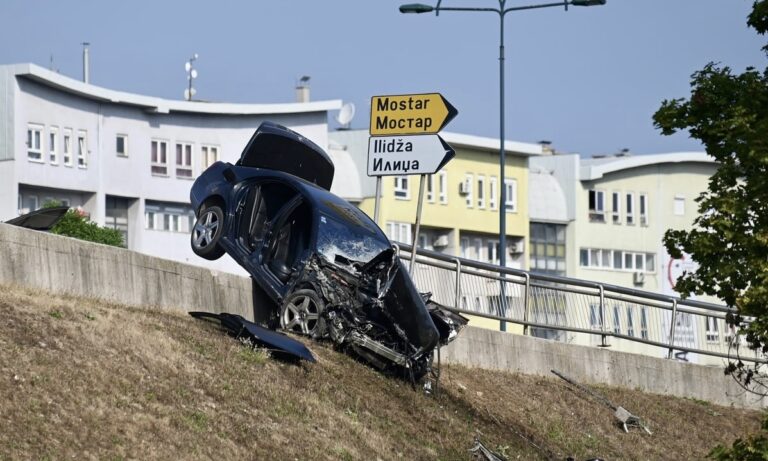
415,246
376,202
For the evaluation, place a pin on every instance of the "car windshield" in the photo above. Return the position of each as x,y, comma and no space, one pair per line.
348,243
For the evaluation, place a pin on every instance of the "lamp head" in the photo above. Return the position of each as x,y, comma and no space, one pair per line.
417,8
587,2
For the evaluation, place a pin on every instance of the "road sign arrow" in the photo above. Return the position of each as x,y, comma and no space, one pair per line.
407,155
409,114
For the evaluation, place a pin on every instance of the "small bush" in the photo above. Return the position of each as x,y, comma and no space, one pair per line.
75,224
753,448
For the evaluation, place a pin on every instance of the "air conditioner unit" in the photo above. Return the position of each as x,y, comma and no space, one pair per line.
465,187
516,247
440,242
638,278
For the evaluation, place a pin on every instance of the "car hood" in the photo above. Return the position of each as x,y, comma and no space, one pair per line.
276,147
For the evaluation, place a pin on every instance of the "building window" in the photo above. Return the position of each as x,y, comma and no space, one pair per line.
121,145
493,192
479,249
399,232
159,158
34,143
713,335
443,178
82,149
149,219
643,209
430,189
616,320
618,262
614,259
510,201
465,247
548,248
630,208
167,216
401,188
595,316
481,192
616,208
493,252
678,207
210,155
53,146
596,205
630,322
183,160
644,323
67,147
467,190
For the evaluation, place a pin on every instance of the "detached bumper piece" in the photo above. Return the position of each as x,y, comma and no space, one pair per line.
239,327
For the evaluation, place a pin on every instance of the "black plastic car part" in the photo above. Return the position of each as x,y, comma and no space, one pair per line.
239,327
43,219
276,147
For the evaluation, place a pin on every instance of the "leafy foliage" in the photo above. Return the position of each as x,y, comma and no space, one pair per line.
753,448
76,224
728,113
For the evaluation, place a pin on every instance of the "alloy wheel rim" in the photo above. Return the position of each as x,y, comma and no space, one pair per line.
205,229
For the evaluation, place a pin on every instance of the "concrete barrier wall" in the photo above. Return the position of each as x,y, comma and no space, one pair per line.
495,350
61,264
65,265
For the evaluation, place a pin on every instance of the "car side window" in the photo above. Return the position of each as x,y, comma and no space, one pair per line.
259,208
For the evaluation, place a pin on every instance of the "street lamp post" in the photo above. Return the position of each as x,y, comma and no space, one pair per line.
502,11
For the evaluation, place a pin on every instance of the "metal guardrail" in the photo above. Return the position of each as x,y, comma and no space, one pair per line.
579,311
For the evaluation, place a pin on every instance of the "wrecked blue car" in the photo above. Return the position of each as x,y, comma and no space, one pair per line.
320,266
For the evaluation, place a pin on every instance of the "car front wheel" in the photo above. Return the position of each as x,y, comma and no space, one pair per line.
301,313
207,233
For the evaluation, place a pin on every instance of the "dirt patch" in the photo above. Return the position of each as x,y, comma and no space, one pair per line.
87,379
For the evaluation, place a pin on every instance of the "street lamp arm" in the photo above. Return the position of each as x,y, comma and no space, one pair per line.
422,8
564,4
445,8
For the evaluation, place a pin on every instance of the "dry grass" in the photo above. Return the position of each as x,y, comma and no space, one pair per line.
85,379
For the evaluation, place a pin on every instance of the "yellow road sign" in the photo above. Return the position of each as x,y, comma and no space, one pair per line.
410,114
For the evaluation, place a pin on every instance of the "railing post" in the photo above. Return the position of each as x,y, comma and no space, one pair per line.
603,337
458,282
671,352
526,302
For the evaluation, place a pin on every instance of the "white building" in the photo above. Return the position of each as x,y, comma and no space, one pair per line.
128,160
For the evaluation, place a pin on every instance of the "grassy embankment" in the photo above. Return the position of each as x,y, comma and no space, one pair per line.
86,379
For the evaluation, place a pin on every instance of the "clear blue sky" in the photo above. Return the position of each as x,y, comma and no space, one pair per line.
588,79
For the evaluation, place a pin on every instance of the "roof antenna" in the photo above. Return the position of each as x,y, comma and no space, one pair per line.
191,75
86,63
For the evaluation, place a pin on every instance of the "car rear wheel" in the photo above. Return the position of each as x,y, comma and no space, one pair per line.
301,313
207,233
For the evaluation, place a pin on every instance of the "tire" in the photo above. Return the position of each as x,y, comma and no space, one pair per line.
207,232
300,313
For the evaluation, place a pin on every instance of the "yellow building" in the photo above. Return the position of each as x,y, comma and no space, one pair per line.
461,202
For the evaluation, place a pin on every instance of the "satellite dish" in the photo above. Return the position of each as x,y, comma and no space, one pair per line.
187,66
346,114
196,56
186,94
193,73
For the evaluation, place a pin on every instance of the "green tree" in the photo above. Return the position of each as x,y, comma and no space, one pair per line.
75,224
728,113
